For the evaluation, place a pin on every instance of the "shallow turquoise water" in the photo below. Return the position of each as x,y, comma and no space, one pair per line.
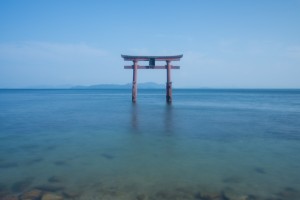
238,142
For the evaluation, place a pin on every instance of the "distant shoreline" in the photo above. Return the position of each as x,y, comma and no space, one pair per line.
216,89
128,86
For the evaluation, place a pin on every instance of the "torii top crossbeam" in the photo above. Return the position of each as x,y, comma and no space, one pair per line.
147,58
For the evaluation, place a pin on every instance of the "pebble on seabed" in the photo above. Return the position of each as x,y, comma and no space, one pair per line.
141,197
34,194
70,194
10,197
56,192
215,196
51,196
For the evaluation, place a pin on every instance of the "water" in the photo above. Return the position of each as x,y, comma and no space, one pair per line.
242,144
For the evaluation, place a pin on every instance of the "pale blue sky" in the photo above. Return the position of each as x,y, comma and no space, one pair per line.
226,44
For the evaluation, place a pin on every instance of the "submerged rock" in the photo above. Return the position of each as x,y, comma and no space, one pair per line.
70,194
30,146
3,194
9,197
20,186
162,195
141,197
50,188
8,165
260,170
216,196
34,161
2,187
51,147
248,197
52,196
111,191
177,194
289,193
60,163
54,179
199,196
34,194
232,179
230,193
107,156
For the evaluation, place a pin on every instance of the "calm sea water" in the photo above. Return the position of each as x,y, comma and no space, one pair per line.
99,145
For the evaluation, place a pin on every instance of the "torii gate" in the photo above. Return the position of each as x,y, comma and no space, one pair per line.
151,65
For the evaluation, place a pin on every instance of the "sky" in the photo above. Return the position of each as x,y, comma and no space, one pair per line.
225,44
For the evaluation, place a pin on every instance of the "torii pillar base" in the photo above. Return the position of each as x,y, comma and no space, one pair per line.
169,92
134,91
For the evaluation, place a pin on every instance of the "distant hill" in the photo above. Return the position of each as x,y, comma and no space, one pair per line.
147,85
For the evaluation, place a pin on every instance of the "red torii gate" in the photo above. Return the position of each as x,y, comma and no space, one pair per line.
152,65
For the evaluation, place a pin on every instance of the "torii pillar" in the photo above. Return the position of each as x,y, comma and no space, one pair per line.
169,83
134,81
152,65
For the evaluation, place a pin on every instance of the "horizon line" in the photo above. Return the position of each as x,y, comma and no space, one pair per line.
203,88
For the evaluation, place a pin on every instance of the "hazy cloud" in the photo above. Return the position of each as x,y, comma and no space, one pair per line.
45,50
198,58
177,37
45,63
293,51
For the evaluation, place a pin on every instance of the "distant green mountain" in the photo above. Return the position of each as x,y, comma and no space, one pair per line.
147,85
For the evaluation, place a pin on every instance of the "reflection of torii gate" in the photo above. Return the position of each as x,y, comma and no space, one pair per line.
151,65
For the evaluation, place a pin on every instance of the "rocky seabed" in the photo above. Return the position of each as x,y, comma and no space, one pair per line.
55,190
